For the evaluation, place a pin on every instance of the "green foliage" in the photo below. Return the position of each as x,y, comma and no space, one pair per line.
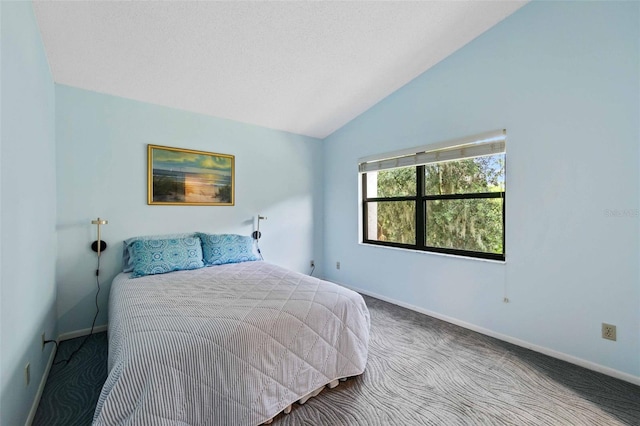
224,194
168,188
397,219
467,224
397,182
482,174
474,225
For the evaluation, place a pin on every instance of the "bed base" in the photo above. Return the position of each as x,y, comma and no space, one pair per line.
332,384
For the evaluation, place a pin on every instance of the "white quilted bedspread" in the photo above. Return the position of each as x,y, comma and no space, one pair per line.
226,345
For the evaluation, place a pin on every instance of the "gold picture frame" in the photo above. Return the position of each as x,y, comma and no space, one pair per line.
186,177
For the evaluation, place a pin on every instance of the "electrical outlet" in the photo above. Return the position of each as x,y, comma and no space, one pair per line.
337,265
608,331
27,374
312,264
44,337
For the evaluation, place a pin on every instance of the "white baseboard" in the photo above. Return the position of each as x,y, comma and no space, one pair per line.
43,382
541,349
80,333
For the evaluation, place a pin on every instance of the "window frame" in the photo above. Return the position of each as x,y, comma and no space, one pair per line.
420,199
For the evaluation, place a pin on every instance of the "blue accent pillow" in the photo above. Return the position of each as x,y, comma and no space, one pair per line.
160,256
218,249
127,261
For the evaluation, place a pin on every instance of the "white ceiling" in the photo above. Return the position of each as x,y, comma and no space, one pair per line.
303,67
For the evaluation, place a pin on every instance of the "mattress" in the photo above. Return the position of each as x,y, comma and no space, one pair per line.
226,345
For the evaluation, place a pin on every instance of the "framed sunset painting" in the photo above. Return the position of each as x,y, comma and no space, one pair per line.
177,176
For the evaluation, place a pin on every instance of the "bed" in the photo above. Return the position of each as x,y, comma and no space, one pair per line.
231,344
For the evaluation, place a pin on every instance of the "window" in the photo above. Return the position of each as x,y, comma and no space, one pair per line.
446,198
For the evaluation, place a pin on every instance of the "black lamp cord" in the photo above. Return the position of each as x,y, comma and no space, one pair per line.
256,236
66,361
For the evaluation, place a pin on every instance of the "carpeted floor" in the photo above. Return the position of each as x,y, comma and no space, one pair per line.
72,390
421,371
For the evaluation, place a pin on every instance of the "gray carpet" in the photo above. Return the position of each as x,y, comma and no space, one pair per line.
421,371
72,390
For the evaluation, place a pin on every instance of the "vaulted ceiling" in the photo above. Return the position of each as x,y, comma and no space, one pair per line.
302,67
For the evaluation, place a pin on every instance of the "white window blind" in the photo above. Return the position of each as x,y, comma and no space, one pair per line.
488,143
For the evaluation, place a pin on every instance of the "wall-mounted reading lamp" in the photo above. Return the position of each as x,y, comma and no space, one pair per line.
256,234
99,246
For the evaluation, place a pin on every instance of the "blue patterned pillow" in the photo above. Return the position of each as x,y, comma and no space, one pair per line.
127,261
218,249
159,256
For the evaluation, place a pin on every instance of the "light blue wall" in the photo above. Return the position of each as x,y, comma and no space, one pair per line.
563,79
102,171
27,176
